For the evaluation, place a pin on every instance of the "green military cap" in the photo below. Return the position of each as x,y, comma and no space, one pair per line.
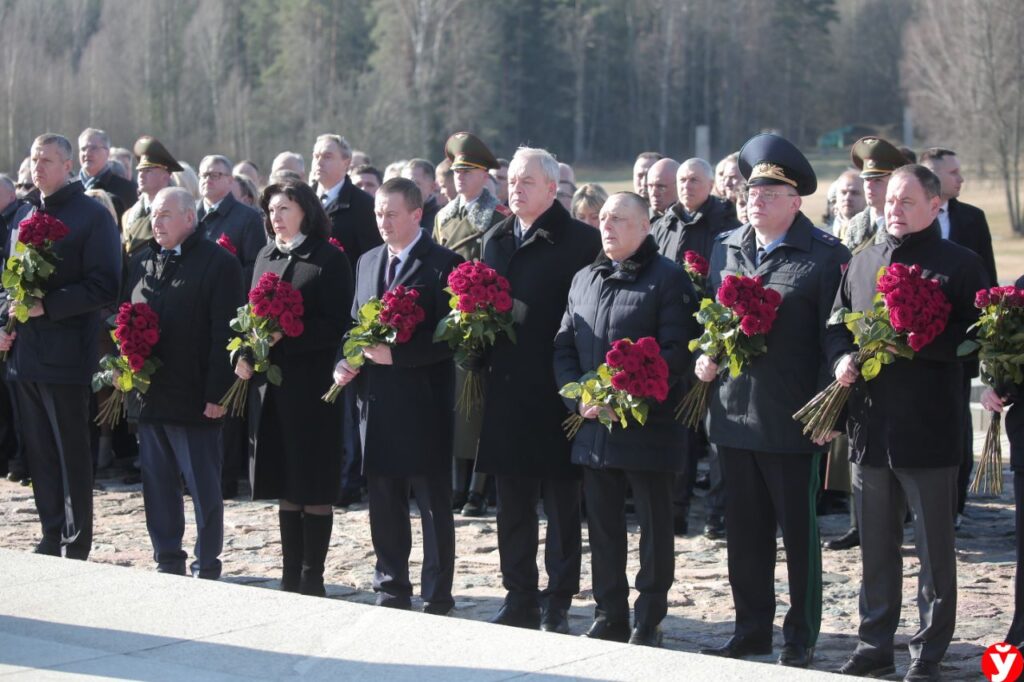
769,159
465,150
152,154
875,158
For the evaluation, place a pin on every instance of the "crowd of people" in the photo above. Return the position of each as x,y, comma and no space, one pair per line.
584,269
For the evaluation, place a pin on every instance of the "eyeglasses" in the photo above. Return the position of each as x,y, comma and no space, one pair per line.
92,148
767,195
212,175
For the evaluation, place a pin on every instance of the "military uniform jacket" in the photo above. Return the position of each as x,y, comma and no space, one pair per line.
406,409
754,411
647,295
911,414
675,235
462,230
523,413
860,232
195,294
136,228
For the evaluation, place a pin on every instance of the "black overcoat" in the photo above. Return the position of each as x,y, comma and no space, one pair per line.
242,224
523,413
297,437
352,221
675,235
406,409
195,295
648,295
911,414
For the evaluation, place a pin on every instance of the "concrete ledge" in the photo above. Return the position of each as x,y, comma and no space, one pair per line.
61,618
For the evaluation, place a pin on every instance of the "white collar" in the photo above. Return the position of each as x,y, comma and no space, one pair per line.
403,255
332,193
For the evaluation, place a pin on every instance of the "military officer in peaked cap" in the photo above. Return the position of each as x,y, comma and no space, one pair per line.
154,172
876,159
770,466
460,226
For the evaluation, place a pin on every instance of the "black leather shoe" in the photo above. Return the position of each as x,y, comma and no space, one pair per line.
740,647
555,620
609,631
458,502
847,540
646,635
475,505
864,666
348,498
714,528
922,671
435,609
796,655
528,618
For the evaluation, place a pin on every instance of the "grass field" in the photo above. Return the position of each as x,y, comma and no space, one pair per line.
985,194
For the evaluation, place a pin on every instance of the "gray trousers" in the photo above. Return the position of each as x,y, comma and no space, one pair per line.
882,496
168,454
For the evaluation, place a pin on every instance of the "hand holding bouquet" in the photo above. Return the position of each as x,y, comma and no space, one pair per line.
481,309
274,307
908,312
1000,346
131,368
631,374
389,320
32,264
734,331
697,268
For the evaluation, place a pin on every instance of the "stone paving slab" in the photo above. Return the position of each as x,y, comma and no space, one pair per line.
65,620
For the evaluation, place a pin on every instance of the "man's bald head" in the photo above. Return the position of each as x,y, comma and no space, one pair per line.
849,195
661,184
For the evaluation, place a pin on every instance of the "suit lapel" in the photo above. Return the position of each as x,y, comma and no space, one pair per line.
409,269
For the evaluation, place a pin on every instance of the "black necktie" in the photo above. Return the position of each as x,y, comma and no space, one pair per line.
761,253
210,215
389,278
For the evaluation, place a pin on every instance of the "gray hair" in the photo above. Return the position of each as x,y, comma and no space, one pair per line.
425,166
343,146
548,163
704,166
63,146
182,198
7,182
218,159
290,156
929,181
89,133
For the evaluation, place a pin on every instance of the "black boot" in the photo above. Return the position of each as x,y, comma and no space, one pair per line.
290,523
316,537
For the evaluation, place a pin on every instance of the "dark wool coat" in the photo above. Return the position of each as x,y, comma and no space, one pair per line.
353,223
911,414
297,437
242,224
648,295
195,295
523,413
754,411
675,235
59,347
405,409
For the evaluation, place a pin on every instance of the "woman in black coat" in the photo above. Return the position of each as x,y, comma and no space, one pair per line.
296,437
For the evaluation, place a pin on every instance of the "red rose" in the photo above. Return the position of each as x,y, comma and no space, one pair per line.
151,336
620,381
750,326
297,328
772,298
631,363
917,341
261,308
503,302
276,307
728,294
136,362
336,244
614,358
649,346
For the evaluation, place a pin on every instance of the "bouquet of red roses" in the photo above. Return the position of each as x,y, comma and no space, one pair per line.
481,309
697,268
389,320
275,307
734,330
908,312
32,264
136,331
631,374
225,241
1000,346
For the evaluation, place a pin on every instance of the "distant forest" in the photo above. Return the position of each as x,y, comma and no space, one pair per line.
593,81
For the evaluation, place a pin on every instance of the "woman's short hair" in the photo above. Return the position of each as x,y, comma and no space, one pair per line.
248,188
314,219
589,196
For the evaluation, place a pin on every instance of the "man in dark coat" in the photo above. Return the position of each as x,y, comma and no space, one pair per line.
770,466
226,219
967,226
691,224
539,249
194,287
96,173
905,429
54,352
12,211
405,394
630,292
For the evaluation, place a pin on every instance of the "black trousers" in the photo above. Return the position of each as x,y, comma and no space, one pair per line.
391,533
518,532
10,445
682,489
769,490
235,436
352,480
605,491
963,479
55,432
1016,634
